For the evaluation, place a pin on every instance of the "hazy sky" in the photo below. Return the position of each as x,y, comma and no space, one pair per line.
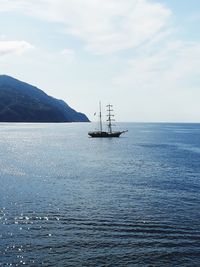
141,55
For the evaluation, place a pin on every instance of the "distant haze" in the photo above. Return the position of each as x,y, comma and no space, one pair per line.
142,56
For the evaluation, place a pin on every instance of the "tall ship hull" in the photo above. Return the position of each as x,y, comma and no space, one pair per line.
106,134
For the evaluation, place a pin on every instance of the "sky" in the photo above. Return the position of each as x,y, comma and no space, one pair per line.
143,56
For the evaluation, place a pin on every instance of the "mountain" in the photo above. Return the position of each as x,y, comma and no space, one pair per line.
22,102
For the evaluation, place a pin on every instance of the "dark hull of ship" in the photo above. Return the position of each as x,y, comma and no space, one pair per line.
99,134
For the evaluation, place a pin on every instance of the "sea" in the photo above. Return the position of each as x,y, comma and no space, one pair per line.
70,200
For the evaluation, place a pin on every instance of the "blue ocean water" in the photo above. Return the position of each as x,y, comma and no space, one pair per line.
70,200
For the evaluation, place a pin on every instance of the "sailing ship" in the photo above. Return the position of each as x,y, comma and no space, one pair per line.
110,119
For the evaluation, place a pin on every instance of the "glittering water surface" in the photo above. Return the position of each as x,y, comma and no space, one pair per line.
70,200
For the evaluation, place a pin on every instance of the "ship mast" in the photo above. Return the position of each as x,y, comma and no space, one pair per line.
100,117
110,118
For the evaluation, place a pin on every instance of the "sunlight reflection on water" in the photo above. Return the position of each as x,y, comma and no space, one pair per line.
70,200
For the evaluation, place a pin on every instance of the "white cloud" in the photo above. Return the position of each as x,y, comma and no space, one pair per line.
67,52
105,26
167,68
14,47
163,85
